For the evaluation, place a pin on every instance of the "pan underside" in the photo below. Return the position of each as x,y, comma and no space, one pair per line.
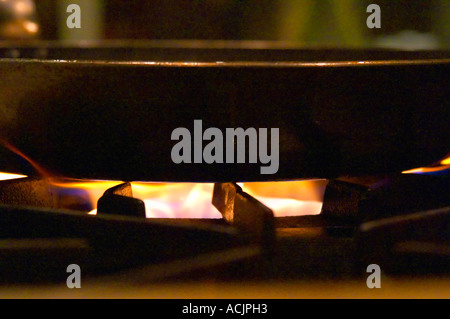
114,120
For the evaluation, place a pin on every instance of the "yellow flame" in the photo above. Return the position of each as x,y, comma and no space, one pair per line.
8,176
426,170
293,198
446,161
162,200
93,189
193,200
176,200
443,165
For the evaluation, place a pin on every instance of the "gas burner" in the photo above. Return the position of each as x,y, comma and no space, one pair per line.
350,126
46,227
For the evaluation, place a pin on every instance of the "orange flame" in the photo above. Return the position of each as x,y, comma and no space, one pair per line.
293,198
193,200
174,200
441,166
35,165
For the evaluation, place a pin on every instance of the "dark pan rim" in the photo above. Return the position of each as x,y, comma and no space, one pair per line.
229,64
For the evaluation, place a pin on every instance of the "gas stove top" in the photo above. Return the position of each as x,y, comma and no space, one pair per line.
99,194
362,222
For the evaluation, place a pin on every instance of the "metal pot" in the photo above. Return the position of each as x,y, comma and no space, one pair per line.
107,111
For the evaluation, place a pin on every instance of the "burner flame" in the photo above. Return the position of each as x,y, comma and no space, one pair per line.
39,169
9,176
293,198
193,200
446,161
440,168
189,200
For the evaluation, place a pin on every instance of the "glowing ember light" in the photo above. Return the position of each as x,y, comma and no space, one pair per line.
23,8
31,26
8,176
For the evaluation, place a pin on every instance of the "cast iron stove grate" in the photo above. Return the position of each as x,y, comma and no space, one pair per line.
363,221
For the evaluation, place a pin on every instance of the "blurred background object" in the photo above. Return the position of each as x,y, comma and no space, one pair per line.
335,23
410,24
18,20
92,20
